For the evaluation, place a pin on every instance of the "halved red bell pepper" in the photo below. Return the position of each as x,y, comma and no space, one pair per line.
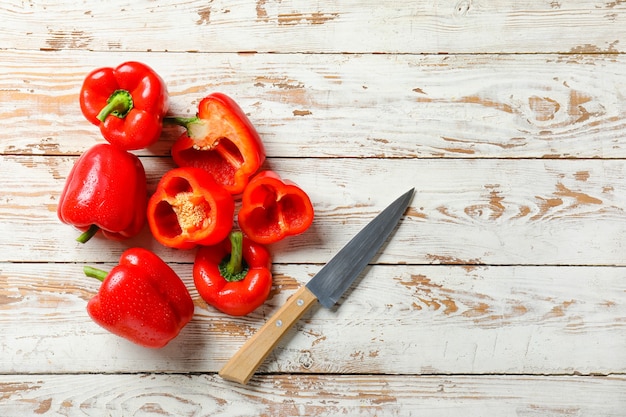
221,140
189,208
233,276
105,190
128,103
142,299
272,209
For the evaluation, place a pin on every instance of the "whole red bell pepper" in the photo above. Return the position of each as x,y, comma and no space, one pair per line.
221,140
142,299
234,276
189,208
272,209
105,190
128,103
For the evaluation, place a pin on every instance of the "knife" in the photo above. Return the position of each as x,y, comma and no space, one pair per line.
325,287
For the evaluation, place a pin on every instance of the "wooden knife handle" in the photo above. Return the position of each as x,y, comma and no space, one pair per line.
249,357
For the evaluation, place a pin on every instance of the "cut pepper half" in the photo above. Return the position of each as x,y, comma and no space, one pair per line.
222,141
273,209
189,208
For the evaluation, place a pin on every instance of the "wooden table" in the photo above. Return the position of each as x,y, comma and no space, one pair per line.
503,291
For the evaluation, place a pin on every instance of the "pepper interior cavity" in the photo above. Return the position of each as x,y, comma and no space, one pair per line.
183,211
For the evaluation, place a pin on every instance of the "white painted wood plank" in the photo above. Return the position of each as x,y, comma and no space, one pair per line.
396,320
556,92
325,26
391,106
529,212
297,395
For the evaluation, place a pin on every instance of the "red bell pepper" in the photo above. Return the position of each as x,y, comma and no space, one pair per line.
272,209
234,276
221,140
189,208
142,299
105,190
128,103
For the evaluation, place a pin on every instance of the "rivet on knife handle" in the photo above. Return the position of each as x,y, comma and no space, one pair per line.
244,363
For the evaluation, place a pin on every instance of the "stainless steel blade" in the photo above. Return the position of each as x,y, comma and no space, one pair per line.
339,273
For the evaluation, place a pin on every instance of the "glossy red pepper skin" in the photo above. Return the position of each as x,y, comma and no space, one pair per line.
136,120
143,300
272,209
106,188
189,208
238,297
222,141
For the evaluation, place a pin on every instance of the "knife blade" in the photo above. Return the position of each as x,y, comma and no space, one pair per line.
326,287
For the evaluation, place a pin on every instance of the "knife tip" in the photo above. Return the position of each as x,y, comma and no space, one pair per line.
409,194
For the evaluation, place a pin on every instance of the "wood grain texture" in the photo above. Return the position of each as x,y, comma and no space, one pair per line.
413,319
297,395
501,293
483,211
460,26
365,106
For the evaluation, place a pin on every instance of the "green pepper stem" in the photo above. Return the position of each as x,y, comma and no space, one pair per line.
233,267
119,103
92,272
88,234
197,128
181,121
236,257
